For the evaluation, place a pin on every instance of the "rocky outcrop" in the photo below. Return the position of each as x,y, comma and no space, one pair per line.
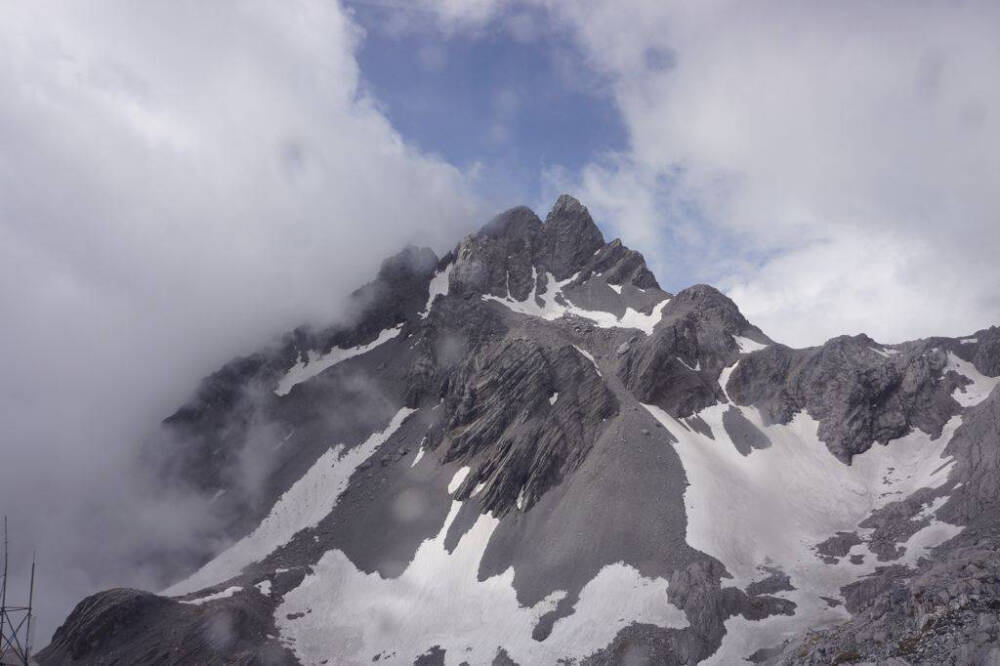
976,448
695,590
124,626
947,612
678,367
860,392
499,260
570,238
524,416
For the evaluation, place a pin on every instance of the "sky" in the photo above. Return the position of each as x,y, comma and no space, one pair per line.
182,181
829,165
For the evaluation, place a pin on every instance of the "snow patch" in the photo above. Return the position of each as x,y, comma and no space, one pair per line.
553,398
724,379
303,505
784,500
457,479
264,587
884,351
420,454
747,345
225,594
968,341
978,390
696,368
438,287
555,304
617,288
589,357
439,600
317,363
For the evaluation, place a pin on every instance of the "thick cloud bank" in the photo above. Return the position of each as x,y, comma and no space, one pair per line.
178,182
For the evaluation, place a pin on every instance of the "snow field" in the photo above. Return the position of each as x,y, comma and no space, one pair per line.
303,505
780,502
439,600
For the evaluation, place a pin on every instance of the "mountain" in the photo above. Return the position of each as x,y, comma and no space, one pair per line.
527,452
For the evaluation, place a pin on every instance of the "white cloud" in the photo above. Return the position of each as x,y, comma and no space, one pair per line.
776,130
178,182
462,14
876,283
839,135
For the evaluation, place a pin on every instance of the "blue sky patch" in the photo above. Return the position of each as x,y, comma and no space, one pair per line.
514,107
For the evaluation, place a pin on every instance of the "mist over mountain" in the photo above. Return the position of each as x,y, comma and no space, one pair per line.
526,451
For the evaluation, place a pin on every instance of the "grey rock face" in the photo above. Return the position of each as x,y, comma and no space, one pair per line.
500,258
946,612
677,368
897,522
132,627
984,353
548,416
621,265
707,607
858,395
976,447
500,418
837,546
511,254
570,239
777,581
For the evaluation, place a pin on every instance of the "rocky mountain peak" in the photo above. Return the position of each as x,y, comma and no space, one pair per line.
713,308
528,433
515,255
701,332
570,237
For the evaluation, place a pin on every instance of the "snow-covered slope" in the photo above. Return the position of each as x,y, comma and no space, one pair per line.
527,452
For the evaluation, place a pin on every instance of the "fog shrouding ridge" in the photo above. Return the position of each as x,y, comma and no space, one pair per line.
178,184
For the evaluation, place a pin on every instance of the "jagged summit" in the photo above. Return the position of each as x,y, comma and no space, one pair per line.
571,237
527,452
516,256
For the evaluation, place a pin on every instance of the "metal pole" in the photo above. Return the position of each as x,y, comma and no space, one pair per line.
31,598
3,586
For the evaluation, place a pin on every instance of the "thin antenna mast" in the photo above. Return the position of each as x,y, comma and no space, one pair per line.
15,621
31,599
3,589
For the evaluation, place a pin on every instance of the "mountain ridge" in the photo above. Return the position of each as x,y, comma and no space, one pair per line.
513,406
